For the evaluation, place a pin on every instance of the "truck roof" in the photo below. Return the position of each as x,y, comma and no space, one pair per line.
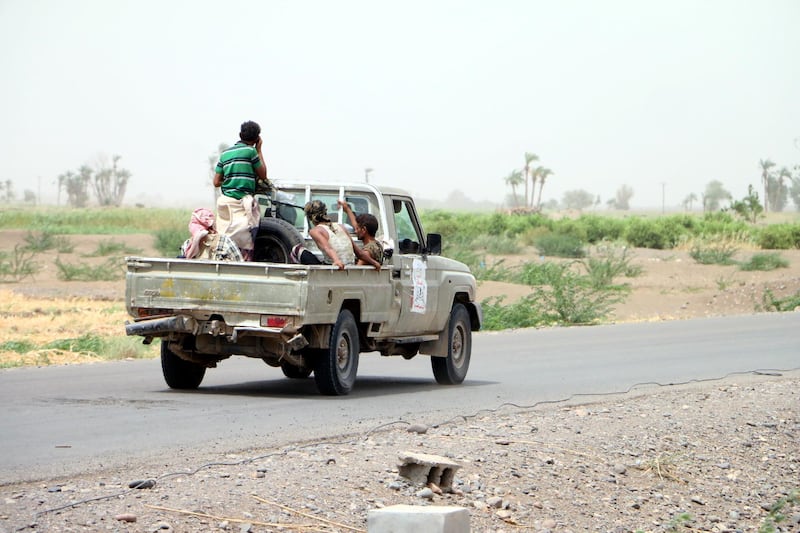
333,186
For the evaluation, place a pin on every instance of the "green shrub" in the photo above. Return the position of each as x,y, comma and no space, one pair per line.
47,240
456,248
111,247
659,234
779,237
558,245
84,343
571,299
496,224
17,346
607,263
771,303
780,511
19,265
765,261
531,235
40,242
442,222
718,252
498,244
559,296
544,273
494,272
111,270
465,225
597,228
689,223
570,227
522,314
517,224
722,224
169,241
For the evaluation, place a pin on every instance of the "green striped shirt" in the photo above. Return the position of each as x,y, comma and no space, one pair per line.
238,166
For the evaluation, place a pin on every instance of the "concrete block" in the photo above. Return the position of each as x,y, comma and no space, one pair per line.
418,519
422,468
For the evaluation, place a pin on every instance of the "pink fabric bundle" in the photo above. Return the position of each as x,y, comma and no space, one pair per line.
202,224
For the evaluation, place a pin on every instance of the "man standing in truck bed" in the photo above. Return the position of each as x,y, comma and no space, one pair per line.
237,172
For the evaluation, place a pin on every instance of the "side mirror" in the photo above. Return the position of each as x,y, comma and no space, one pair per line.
434,243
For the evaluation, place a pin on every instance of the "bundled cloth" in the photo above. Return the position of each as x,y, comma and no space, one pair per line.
205,242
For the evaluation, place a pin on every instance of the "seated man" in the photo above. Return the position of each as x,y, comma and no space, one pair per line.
333,240
205,242
366,226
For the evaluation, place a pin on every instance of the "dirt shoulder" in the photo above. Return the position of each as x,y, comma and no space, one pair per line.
712,456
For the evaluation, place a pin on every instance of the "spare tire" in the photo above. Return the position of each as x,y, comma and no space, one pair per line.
275,240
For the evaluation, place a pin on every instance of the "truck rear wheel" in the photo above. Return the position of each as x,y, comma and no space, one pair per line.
179,373
452,370
335,369
275,240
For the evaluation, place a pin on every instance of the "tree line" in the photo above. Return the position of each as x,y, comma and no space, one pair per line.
529,176
778,184
108,182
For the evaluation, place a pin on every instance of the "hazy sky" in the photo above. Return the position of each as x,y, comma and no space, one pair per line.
433,95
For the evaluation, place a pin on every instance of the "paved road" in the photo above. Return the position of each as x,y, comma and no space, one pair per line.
61,421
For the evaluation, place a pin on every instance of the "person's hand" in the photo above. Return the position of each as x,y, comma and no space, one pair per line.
258,143
339,265
344,205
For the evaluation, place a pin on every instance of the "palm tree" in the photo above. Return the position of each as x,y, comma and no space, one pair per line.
783,174
515,179
534,178
689,200
529,158
9,191
765,164
543,173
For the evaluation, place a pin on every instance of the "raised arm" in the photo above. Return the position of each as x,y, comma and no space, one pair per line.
261,170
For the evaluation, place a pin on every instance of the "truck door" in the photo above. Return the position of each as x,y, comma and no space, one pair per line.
415,285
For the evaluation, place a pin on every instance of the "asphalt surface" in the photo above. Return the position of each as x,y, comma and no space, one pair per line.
61,421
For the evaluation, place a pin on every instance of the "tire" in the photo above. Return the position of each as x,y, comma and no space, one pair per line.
296,372
335,368
179,373
275,240
452,370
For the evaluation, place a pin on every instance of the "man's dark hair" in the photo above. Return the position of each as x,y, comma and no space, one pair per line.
249,132
368,222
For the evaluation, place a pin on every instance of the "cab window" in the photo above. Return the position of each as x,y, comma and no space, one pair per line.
292,210
408,236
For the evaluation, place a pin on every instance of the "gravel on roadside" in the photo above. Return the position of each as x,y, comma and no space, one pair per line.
712,456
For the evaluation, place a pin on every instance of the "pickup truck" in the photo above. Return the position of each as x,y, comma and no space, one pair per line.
305,318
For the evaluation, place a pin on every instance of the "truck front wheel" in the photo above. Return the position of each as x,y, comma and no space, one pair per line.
452,370
179,373
335,368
